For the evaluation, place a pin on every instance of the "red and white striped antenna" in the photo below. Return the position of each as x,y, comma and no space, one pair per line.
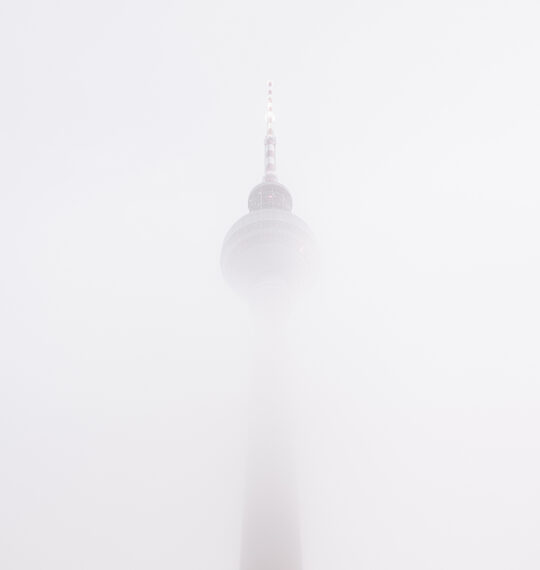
270,139
269,109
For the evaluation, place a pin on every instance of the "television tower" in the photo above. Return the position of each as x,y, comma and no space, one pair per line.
269,257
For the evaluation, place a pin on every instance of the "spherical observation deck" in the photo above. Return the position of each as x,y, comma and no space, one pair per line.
270,246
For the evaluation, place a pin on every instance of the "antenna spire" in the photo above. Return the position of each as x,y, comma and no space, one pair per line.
269,139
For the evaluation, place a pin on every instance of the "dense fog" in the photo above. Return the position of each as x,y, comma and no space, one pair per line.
131,135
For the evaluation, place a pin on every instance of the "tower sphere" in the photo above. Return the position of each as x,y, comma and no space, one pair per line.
268,247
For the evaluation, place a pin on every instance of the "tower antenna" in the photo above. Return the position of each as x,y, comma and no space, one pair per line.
269,139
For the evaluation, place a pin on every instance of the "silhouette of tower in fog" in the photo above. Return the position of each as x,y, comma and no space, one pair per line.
268,256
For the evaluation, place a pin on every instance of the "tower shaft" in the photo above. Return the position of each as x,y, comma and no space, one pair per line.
271,534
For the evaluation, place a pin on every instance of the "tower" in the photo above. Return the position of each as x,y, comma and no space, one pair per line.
268,256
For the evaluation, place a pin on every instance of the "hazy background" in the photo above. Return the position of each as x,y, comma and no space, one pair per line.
130,136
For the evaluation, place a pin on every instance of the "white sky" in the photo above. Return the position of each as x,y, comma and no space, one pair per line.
130,136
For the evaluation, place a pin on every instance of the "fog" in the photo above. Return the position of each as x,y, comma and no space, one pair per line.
131,135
